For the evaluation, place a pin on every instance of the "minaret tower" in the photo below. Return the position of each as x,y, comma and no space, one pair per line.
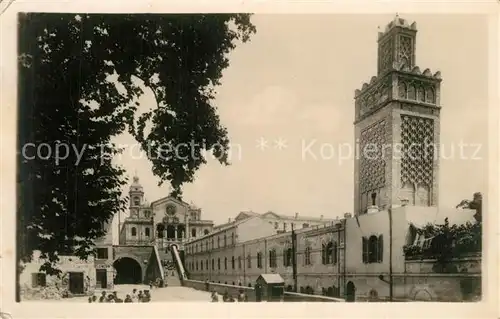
397,127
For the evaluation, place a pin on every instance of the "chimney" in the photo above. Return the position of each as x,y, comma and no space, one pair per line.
296,215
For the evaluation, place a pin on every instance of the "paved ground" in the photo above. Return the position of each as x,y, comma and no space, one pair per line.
176,293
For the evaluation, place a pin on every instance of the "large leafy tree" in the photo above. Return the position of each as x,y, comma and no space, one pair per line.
80,77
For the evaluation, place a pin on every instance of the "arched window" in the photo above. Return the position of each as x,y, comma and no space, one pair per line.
307,256
201,265
225,240
287,257
213,243
411,92
147,214
373,249
334,253
429,95
213,264
134,231
272,258
218,242
232,239
239,262
420,94
225,263
249,261
159,230
196,265
374,199
233,262
402,90
137,201
329,253
259,260
218,263
193,232
147,232
206,232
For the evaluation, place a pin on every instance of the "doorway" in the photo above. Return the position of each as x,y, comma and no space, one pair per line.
76,284
128,271
350,295
101,278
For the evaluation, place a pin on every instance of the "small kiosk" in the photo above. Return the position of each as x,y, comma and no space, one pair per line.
270,287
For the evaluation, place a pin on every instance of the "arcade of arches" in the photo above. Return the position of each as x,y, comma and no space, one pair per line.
128,271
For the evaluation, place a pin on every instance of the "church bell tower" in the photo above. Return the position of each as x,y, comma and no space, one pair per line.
397,127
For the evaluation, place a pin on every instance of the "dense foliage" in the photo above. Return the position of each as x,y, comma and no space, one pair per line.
447,241
451,241
80,77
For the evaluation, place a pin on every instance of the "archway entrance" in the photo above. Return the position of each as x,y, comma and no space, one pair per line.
350,294
128,271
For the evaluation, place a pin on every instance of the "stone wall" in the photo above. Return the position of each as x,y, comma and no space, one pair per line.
56,286
293,296
250,292
220,288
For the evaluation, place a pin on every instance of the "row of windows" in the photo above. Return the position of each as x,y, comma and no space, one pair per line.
277,225
329,255
193,232
204,245
147,232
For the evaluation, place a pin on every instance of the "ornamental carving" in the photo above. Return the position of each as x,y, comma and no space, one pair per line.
372,161
170,210
376,95
418,109
417,137
386,55
416,91
405,50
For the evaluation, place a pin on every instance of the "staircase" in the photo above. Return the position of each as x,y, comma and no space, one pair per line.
172,281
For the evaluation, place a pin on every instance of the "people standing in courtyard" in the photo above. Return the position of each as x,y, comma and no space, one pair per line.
115,297
103,297
134,295
242,297
128,299
214,296
146,297
225,296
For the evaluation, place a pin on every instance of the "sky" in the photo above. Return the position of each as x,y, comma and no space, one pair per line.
293,85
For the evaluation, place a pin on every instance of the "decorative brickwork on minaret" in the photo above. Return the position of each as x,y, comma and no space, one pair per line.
397,126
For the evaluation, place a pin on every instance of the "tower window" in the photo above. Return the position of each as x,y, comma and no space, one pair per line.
137,201
193,232
146,232
134,231
374,199
205,231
